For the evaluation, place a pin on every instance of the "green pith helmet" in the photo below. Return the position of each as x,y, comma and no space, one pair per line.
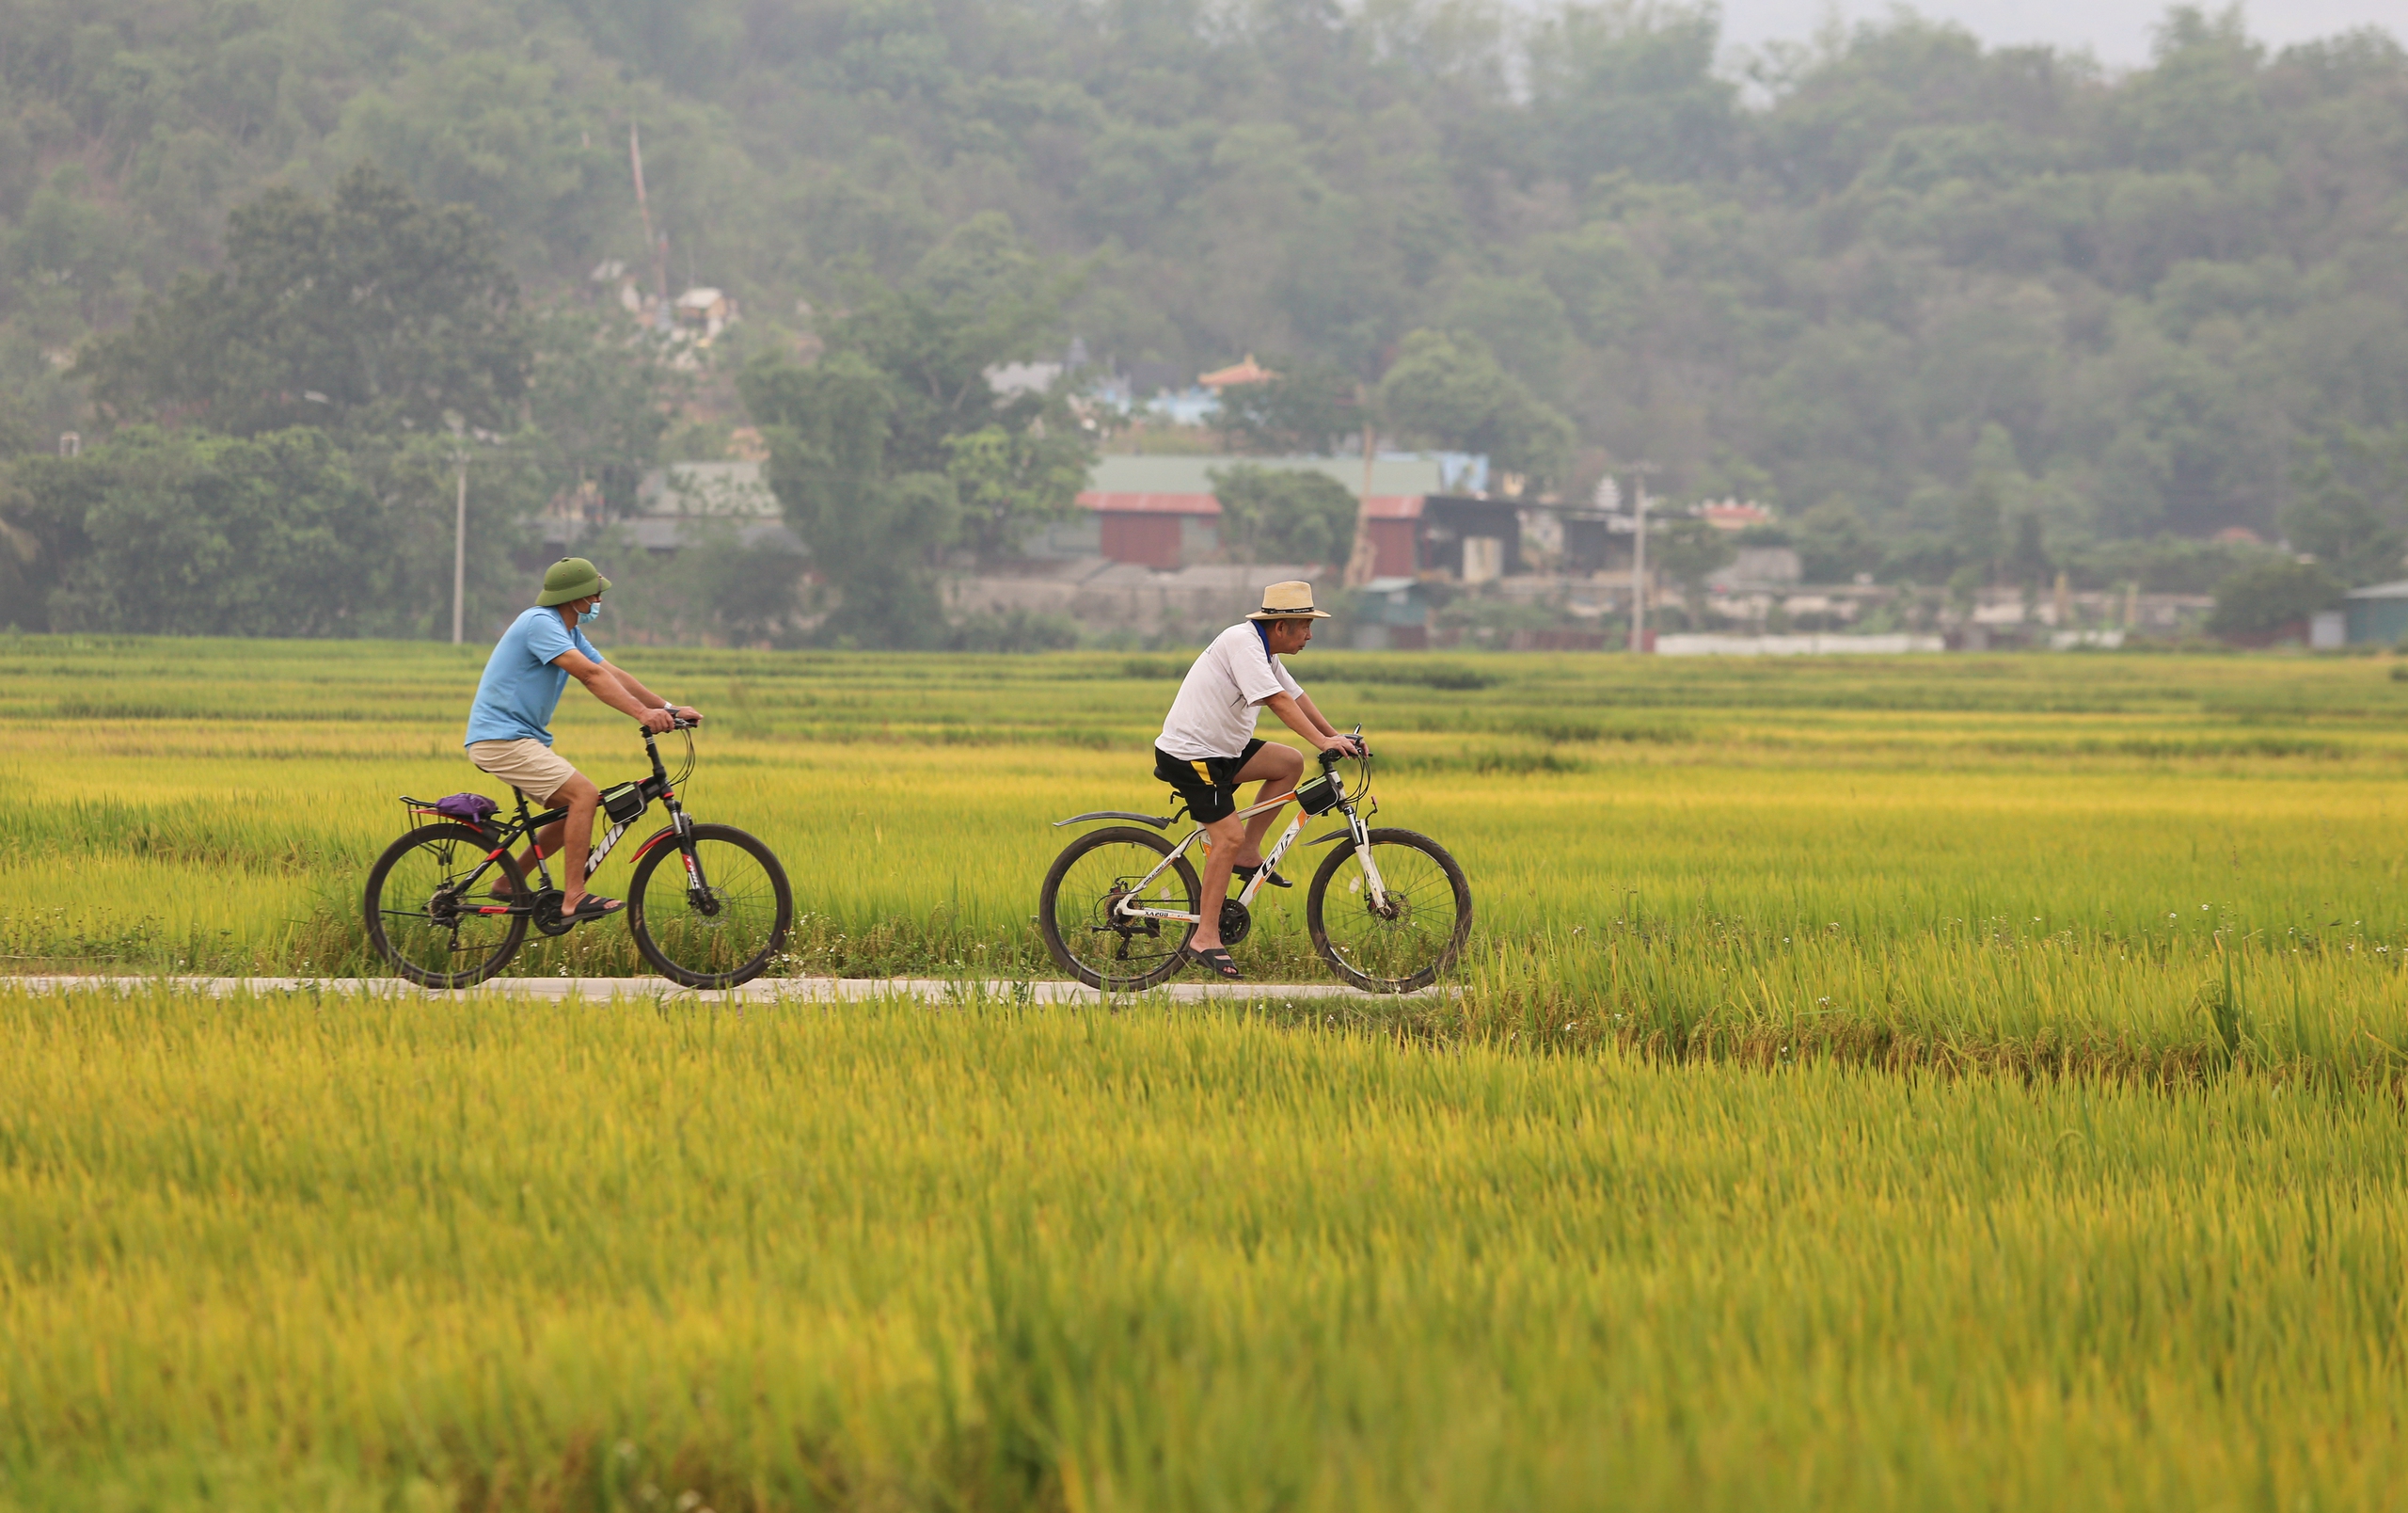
571,578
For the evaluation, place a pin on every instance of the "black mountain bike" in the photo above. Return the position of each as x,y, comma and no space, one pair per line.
1388,911
708,907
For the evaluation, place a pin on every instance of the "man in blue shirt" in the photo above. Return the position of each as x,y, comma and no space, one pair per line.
508,726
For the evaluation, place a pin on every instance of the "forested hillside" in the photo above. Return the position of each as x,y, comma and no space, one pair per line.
1888,273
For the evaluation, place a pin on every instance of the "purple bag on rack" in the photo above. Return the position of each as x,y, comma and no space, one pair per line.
474,808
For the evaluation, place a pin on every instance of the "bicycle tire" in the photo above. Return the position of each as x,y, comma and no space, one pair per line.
1160,967
716,956
1392,943
420,928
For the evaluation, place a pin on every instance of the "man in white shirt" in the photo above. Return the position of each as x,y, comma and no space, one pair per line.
1209,749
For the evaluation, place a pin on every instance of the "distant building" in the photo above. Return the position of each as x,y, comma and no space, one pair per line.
1758,566
1732,514
1160,512
706,311
1236,375
674,504
2376,615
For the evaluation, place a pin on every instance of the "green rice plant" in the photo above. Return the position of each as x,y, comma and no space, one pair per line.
316,1249
2027,860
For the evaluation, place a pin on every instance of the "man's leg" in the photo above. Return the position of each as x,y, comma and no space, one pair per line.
583,799
570,839
1228,835
1278,767
1236,845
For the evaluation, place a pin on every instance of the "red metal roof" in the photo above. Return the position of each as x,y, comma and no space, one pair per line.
1393,507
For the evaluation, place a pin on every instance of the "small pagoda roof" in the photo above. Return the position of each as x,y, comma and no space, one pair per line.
1237,375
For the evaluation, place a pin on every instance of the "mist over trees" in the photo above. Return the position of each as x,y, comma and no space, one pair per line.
1932,300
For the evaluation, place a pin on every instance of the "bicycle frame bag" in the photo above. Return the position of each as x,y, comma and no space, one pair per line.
473,809
625,803
1320,793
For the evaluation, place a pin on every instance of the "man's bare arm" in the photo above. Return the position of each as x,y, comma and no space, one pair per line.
1311,726
605,683
646,696
1312,712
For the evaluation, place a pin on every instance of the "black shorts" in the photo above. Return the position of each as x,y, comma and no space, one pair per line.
1208,784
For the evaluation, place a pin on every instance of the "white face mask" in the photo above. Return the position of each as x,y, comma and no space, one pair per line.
592,614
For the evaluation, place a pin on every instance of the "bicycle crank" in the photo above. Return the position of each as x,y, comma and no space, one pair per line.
1236,920
548,914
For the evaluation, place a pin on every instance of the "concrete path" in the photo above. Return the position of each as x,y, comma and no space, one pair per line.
761,990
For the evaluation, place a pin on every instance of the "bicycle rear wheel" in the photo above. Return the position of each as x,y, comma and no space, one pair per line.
423,917
1413,936
1074,909
723,933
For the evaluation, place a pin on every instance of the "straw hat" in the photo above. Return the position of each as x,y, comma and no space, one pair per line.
1291,600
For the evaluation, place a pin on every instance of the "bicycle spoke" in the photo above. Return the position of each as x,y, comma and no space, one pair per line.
1408,931
427,906
732,924
1116,948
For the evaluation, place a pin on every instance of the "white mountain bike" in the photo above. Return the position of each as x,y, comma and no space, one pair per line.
1388,911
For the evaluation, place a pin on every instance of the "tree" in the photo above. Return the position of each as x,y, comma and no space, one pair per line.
189,534
2353,492
975,300
2262,600
2026,562
599,394
1010,480
717,589
1450,390
1306,408
877,451
1834,544
1690,550
373,311
871,526
1283,514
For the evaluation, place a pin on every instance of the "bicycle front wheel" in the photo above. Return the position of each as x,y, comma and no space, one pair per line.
1413,933
425,915
1074,910
719,925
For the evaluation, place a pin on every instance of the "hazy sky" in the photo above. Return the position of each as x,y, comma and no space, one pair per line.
2117,30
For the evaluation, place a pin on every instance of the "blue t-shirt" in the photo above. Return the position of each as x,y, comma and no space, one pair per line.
521,687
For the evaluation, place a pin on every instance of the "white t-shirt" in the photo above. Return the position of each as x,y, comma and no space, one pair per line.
1224,692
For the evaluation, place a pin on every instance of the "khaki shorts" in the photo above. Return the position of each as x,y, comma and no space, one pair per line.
526,764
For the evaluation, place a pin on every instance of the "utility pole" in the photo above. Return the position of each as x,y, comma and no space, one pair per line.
1639,471
1362,563
459,526
656,247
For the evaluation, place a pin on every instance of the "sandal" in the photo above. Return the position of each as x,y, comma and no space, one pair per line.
1245,874
1217,958
592,906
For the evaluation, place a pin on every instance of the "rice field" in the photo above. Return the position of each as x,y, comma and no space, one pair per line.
305,1251
2163,863
1934,1082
